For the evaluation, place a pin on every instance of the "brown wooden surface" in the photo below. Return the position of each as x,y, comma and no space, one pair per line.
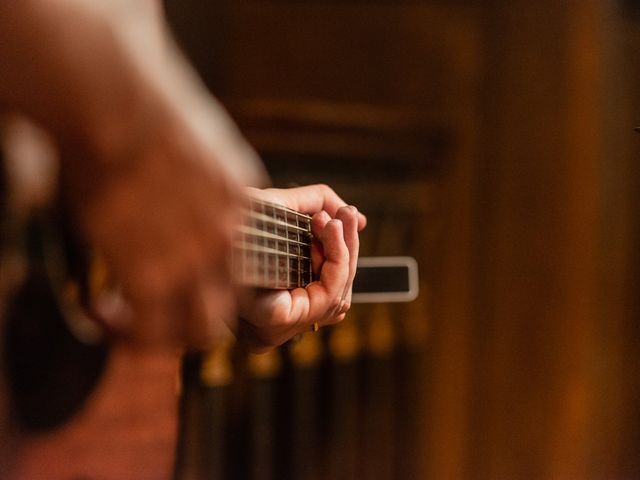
512,121
127,429
514,118
543,306
536,281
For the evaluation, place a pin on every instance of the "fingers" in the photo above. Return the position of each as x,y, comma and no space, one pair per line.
190,310
326,295
196,312
313,198
181,293
275,317
318,223
309,199
349,217
269,321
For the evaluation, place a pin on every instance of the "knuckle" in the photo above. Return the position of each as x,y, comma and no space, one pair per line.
326,191
335,223
349,209
349,214
335,304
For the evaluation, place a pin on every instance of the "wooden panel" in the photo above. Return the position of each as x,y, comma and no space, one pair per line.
546,287
334,79
377,99
513,113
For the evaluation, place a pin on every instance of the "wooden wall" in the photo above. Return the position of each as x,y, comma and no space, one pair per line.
551,310
512,121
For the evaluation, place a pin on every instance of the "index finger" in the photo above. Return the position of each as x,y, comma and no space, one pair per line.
313,198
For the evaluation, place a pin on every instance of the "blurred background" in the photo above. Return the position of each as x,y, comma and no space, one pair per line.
494,142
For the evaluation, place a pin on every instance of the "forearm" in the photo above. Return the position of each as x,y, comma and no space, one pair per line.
64,67
104,75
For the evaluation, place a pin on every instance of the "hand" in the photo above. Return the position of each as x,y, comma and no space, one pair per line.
163,217
151,168
273,317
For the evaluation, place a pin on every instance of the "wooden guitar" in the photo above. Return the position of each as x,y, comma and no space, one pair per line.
76,406
84,408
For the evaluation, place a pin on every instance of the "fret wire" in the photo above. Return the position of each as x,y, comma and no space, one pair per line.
298,236
309,279
244,266
264,266
254,258
273,212
251,269
288,263
249,255
264,255
254,255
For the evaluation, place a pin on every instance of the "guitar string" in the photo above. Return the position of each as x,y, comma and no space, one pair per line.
298,238
264,255
274,216
255,232
253,215
281,208
286,232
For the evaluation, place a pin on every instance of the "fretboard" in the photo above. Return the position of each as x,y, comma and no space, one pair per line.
273,247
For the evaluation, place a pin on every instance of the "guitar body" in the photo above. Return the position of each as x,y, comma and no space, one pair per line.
68,409
126,428
76,407
81,408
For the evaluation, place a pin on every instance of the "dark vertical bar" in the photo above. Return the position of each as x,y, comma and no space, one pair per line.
342,413
378,397
3,192
202,445
264,370
410,389
216,377
187,455
304,446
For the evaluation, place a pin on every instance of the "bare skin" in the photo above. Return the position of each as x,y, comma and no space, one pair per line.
153,172
276,316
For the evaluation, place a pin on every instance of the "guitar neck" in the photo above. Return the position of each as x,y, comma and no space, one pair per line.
273,247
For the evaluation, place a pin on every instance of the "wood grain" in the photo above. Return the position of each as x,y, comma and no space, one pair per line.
127,430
